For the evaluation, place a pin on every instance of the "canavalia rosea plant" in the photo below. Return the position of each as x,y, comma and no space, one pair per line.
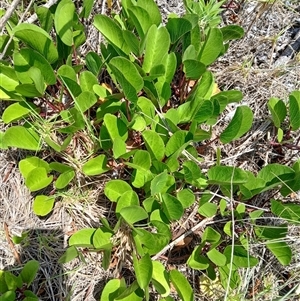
140,107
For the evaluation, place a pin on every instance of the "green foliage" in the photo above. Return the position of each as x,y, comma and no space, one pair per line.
160,108
12,286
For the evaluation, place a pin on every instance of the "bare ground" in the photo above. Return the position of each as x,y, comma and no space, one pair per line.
249,66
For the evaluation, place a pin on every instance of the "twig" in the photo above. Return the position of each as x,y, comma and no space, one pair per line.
202,224
8,13
11,245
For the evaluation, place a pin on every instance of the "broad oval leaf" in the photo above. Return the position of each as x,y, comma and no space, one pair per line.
128,76
38,179
64,179
278,110
85,101
115,188
281,251
101,239
133,214
38,39
157,46
178,141
63,21
43,204
95,166
30,139
177,27
216,257
112,32
27,58
182,286
241,257
154,144
197,261
115,127
239,125
212,46
143,270
128,198
171,207
29,271
227,175
294,100
232,32
82,238
160,279
28,164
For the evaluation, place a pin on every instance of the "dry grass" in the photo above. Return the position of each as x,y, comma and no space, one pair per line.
249,66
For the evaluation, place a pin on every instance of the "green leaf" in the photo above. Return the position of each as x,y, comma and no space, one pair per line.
216,257
128,198
141,20
171,207
193,175
227,175
64,179
278,110
290,212
93,62
193,69
151,7
82,238
132,42
38,179
143,270
29,271
42,205
294,100
154,144
28,90
38,39
241,257
87,7
85,101
229,275
63,21
147,109
239,125
211,236
115,188
181,285
116,127
70,254
95,166
36,75
281,251
119,147
208,209
177,27
232,32
27,58
112,289
161,183
112,32
128,76
160,279
212,46
8,296
45,18
177,142
142,174
28,164
133,214
101,238
186,198
87,81
157,46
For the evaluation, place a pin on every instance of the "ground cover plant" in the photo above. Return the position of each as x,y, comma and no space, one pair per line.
142,111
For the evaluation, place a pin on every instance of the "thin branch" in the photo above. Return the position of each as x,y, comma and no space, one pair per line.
8,13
